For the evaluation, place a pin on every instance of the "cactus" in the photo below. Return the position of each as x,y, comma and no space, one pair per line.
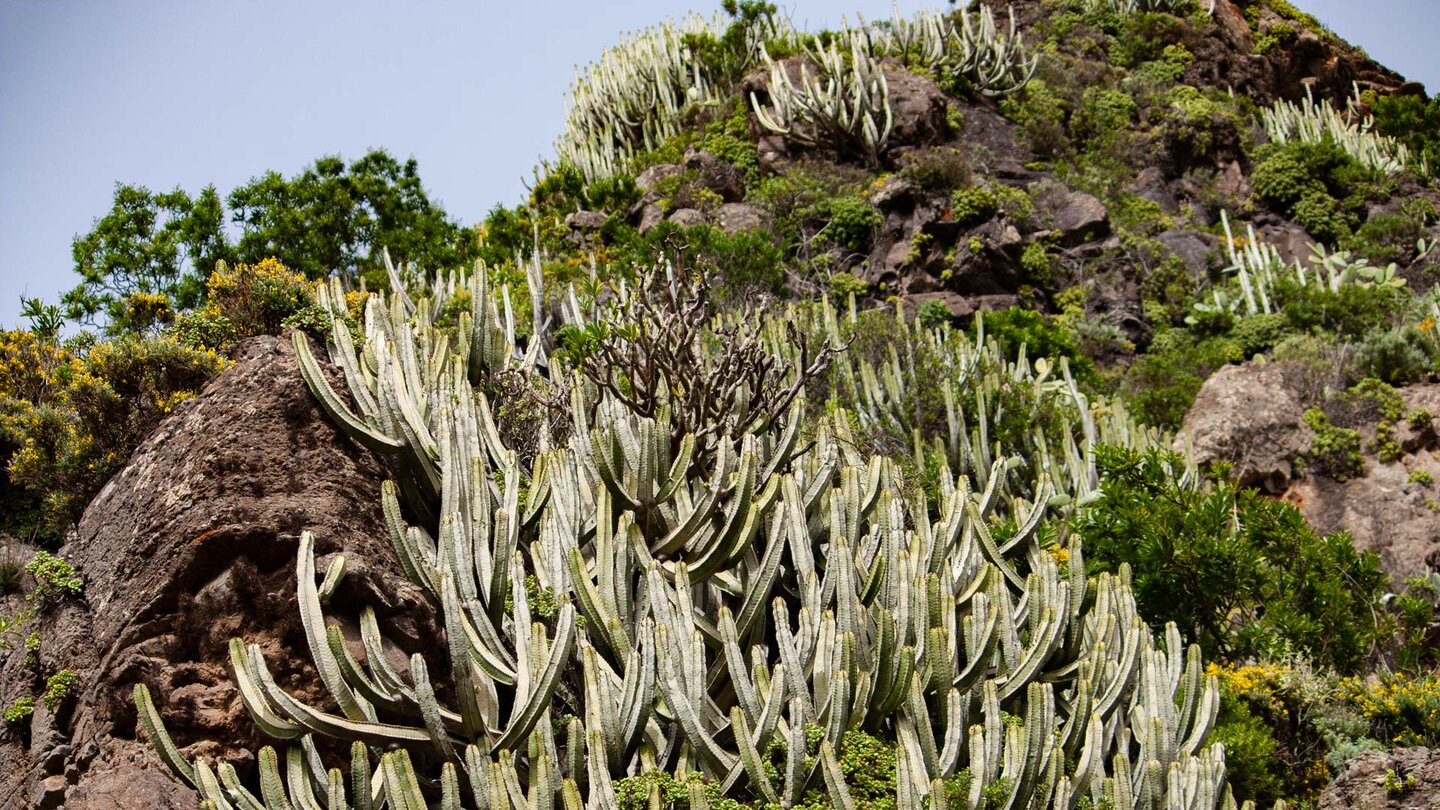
843,105
968,48
788,591
1352,130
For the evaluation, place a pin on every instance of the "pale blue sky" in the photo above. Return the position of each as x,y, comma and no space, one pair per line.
167,94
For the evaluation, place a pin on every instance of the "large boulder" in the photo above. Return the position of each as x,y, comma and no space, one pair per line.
1248,416
1393,507
193,543
1403,779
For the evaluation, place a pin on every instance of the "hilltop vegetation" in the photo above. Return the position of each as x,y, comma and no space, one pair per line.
809,436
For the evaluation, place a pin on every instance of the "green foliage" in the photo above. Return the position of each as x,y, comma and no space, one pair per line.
1041,337
727,56
57,688
70,422
148,244
18,711
933,313
1160,386
1040,113
336,218
845,284
1318,185
1414,121
852,222
634,792
1195,123
974,205
250,300
1337,450
329,218
55,578
1420,477
1259,333
1242,574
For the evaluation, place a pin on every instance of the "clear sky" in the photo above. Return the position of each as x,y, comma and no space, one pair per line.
167,94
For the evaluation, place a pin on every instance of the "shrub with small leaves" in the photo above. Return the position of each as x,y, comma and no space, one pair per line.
18,711
1336,451
55,577
58,686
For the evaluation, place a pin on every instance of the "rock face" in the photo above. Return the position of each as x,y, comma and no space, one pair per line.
1391,509
192,543
1248,416
1363,785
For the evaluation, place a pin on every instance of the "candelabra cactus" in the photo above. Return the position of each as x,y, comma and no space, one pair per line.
969,47
1312,122
731,626
843,105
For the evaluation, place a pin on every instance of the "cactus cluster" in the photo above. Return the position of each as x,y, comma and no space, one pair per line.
613,610
1352,130
1259,269
631,99
970,48
844,104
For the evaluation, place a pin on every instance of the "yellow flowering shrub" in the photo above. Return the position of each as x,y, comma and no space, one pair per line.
1402,709
249,300
67,422
29,365
1271,751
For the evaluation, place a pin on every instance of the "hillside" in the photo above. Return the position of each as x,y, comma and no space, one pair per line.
1029,405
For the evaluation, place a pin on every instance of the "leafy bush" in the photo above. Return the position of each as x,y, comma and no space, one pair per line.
1337,450
1318,185
249,300
974,205
1414,121
852,222
1161,385
1041,337
1242,574
73,421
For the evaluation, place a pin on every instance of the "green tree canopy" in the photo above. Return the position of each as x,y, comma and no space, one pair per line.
337,218
148,243
329,218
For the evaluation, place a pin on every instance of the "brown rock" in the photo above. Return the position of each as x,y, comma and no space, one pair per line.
917,108
735,217
1248,416
686,217
1362,786
585,220
131,788
193,543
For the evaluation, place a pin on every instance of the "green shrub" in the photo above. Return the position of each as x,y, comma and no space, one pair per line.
58,686
1160,386
1337,450
852,222
933,313
845,284
1415,122
1241,574
90,412
974,205
1258,333
1041,336
55,578
18,711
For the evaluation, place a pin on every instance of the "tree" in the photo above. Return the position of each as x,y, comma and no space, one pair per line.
334,218
151,244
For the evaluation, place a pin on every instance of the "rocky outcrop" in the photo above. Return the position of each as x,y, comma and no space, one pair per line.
1249,417
1403,779
193,543
1393,508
